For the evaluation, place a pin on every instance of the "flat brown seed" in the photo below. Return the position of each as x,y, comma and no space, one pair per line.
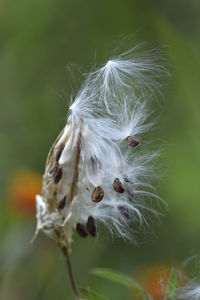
57,173
92,226
59,152
117,185
131,141
97,194
61,204
82,231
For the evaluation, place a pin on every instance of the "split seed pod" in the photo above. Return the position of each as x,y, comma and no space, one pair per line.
90,153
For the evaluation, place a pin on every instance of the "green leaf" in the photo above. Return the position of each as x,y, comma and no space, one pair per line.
172,285
90,295
122,279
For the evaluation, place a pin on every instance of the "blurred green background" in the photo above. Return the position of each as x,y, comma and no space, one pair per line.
39,40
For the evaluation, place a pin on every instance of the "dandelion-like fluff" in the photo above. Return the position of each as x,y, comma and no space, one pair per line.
93,172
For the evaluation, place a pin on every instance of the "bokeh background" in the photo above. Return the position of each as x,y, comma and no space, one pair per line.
39,42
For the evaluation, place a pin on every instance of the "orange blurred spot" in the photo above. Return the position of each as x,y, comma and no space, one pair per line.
154,279
22,190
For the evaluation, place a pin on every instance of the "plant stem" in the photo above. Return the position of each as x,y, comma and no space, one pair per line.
69,269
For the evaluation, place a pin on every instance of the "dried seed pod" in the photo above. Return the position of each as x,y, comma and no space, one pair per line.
61,204
59,152
131,141
97,194
92,226
56,172
82,231
117,185
124,211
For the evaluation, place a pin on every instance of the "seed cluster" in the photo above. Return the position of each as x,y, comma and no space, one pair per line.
90,228
90,155
98,194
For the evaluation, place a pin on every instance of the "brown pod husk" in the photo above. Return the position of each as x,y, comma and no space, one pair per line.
131,141
97,194
81,229
118,187
92,226
59,152
56,172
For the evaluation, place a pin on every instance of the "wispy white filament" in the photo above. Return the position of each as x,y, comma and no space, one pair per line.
113,103
190,291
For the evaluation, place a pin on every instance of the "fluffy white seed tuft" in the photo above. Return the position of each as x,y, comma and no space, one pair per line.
190,291
94,167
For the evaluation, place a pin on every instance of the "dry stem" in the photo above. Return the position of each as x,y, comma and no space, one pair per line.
69,269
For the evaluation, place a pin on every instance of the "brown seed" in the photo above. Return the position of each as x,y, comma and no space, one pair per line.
92,226
82,231
117,185
59,152
124,211
131,141
97,194
61,204
57,173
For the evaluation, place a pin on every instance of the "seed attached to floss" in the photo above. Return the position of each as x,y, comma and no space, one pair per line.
131,141
61,204
117,185
82,231
92,226
97,194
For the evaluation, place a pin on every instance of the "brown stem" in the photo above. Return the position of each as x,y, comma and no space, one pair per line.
69,269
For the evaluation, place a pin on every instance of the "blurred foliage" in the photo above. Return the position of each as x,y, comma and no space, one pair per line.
40,41
172,285
123,279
